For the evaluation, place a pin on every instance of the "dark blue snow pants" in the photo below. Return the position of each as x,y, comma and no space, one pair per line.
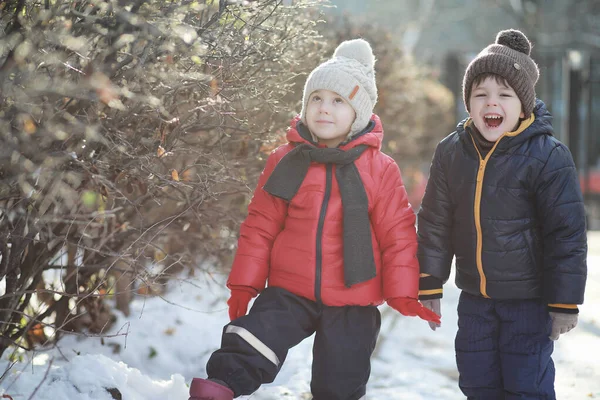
503,351
254,347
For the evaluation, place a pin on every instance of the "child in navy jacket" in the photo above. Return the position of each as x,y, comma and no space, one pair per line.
503,198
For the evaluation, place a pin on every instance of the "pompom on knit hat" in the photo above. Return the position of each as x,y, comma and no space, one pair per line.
509,57
349,73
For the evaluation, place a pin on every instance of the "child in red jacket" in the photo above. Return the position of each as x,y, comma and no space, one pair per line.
331,230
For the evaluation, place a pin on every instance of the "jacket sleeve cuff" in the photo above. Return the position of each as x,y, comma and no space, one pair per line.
430,287
248,289
564,308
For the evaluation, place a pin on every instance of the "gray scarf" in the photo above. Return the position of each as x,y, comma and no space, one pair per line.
287,177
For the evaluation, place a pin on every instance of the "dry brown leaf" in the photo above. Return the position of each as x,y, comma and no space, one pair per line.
28,125
36,335
105,89
143,290
187,175
214,86
43,295
170,331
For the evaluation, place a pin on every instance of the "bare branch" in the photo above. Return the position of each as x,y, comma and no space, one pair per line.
43,379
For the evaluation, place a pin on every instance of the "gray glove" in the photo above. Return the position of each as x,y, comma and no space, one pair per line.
562,323
434,305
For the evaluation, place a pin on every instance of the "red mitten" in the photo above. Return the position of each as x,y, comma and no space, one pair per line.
412,307
238,302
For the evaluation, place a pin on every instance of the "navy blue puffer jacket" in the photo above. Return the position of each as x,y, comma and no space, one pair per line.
514,220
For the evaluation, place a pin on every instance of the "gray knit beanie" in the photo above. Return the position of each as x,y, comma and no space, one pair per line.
510,58
350,74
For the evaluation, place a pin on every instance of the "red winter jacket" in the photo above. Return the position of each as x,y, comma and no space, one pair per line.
283,242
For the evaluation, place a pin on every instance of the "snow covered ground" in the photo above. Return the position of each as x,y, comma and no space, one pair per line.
168,342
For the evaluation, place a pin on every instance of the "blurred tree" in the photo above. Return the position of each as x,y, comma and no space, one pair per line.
556,24
434,27
130,132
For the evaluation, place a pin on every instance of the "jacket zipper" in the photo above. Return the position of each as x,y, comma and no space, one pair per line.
319,260
477,214
477,206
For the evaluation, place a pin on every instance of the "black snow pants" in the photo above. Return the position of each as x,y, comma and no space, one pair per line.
254,347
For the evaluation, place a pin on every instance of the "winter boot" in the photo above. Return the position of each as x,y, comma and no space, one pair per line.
205,389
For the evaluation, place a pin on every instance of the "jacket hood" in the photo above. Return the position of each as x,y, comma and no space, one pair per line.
371,136
541,125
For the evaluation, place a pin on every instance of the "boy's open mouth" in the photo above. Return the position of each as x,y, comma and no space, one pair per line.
493,121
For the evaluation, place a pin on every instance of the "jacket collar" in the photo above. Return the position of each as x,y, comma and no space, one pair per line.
539,123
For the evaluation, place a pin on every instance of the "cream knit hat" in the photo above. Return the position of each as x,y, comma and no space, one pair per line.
350,74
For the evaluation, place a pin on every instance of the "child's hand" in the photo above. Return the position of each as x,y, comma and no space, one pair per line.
434,305
411,308
238,303
562,323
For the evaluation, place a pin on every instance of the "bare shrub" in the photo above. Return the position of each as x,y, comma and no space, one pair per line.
130,132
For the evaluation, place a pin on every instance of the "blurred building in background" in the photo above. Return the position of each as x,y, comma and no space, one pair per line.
447,34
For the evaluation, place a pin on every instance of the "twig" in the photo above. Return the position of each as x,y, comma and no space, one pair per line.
12,364
43,379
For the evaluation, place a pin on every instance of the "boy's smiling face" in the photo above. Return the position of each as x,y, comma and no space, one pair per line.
495,108
329,117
